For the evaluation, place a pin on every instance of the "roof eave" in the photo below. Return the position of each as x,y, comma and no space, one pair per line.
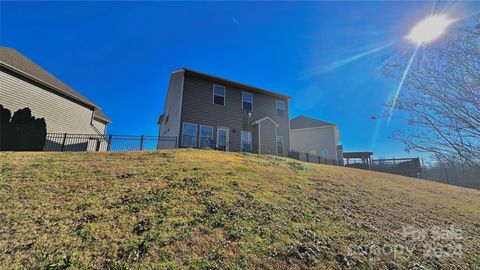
106,120
233,83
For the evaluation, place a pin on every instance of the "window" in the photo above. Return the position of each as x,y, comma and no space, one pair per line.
167,115
246,141
280,108
206,137
218,95
247,100
324,153
280,145
189,136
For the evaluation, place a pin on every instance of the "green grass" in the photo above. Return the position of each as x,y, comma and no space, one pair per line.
194,209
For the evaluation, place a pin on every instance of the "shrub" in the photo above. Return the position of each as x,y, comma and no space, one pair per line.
22,131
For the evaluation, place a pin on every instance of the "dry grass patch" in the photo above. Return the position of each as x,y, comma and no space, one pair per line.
198,209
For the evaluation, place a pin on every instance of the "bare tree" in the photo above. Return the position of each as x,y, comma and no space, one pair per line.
441,99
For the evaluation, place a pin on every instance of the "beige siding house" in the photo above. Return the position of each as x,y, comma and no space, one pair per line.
25,84
205,111
316,137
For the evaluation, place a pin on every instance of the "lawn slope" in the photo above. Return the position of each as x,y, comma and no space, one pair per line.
195,209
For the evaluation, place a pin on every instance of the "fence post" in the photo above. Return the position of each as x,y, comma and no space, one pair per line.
308,159
63,141
141,143
109,142
97,145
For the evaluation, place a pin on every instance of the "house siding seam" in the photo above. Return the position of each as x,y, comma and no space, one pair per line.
197,107
61,115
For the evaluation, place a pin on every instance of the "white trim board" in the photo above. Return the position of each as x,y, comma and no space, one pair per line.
263,119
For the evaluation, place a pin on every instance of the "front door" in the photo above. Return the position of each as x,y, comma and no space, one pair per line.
222,138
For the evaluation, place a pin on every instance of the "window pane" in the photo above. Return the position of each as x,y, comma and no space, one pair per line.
222,139
247,106
280,108
280,113
206,137
219,90
280,145
248,97
189,138
280,104
219,100
246,141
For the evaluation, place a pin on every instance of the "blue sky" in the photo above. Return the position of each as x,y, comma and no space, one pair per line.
120,55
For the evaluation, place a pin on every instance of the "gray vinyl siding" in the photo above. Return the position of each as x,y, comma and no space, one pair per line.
100,126
267,137
198,108
255,142
263,106
61,115
173,100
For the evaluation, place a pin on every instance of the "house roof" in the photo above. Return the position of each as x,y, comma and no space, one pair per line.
307,122
15,61
100,115
232,83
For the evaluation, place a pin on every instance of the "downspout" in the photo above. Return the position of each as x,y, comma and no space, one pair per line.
93,126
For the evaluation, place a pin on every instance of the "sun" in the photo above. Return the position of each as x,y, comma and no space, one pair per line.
429,29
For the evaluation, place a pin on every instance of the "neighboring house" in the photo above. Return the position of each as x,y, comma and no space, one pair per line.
205,111
25,84
315,137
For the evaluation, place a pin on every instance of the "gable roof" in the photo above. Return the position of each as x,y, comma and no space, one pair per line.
307,122
15,61
223,81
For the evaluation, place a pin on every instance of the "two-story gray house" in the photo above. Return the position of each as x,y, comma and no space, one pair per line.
205,111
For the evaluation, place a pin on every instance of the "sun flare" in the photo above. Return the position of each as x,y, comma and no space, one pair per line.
429,29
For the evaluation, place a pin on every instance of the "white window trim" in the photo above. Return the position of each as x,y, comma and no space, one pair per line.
276,107
200,134
224,94
324,151
244,101
183,133
251,140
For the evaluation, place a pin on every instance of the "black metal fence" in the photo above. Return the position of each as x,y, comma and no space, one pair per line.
92,142
307,157
404,166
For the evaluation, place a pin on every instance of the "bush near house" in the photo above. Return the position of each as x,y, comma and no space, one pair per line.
200,209
22,131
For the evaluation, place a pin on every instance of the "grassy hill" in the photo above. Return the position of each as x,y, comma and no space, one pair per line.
194,209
